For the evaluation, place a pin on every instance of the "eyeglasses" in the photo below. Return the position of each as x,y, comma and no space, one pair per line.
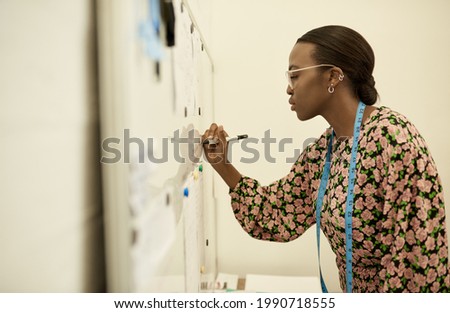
289,73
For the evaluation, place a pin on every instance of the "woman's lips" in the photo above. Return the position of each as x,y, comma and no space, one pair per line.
292,105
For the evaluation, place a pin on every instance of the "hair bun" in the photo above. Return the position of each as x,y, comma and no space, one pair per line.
367,92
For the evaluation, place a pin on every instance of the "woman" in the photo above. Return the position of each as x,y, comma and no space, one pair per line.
369,180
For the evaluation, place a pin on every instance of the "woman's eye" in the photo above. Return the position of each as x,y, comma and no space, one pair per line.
294,77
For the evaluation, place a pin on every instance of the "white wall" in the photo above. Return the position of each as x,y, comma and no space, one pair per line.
50,213
251,42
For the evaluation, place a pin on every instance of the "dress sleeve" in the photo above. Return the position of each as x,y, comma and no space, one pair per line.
413,232
279,212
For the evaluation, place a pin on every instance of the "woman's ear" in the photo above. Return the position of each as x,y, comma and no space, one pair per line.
336,76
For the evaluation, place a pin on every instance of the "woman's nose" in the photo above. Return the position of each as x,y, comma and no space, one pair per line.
289,90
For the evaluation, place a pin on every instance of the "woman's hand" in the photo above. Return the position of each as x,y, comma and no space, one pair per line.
216,154
216,149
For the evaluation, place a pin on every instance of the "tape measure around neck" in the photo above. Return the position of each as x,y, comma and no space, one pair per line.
349,201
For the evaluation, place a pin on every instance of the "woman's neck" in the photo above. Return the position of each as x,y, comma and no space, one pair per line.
341,116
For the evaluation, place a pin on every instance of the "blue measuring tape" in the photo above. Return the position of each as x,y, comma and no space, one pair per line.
349,201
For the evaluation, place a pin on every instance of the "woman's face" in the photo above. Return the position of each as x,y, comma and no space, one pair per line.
309,87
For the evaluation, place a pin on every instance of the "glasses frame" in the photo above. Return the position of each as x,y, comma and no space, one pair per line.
290,72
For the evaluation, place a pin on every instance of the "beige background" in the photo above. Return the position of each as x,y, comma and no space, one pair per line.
51,234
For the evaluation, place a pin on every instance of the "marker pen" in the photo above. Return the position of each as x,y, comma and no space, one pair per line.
212,142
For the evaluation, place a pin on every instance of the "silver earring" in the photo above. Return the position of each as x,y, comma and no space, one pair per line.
341,77
331,89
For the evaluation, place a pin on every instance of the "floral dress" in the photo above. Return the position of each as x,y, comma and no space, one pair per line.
399,231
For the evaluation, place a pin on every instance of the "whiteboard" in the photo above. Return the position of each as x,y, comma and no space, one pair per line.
155,101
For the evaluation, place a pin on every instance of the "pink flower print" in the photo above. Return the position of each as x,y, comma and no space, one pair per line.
314,168
368,245
362,178
289,208
441,269
408,273
420,165
388,223
369,189
419,202
296,191
390,268
308,210
290,176
401,137
315,184
398,149
313,154
422,214
367,215
430,243
371,147
399,243
274,188
287,187
368,163
420,279
291,224
356,222
258,199
410,237
287,198
370,202
424,185
300,230
297,180
407,158
357,235
301,218
278,203
384,143
415,223
431,170
272,198
442,252
393,177
435,287
356,189
432,224
323,142
421,234
388,240
368,230
395,282
310,220
333,203
363,142
434,260
423,261
431,276
412,286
